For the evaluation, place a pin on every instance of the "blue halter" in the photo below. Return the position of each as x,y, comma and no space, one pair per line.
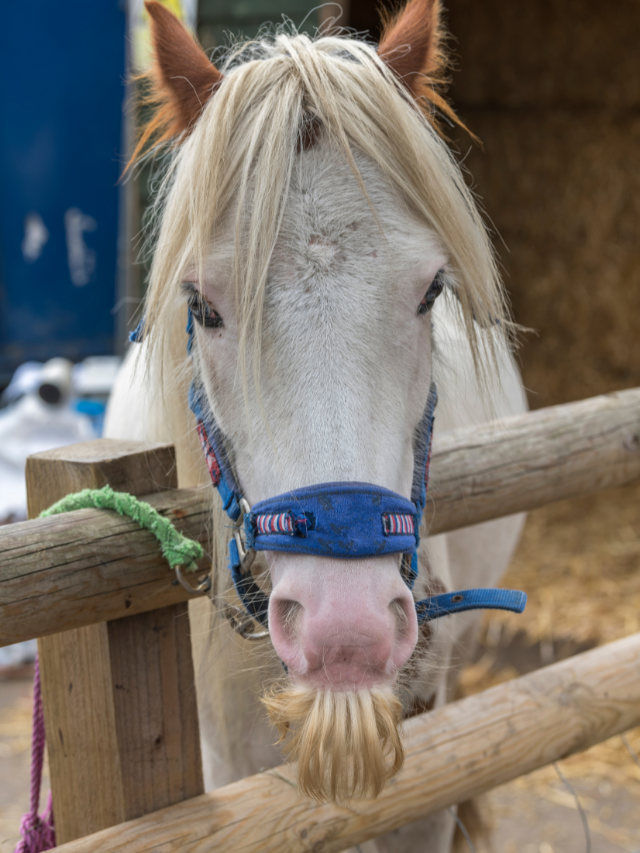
345,520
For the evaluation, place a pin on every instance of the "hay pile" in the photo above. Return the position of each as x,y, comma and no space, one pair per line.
579,562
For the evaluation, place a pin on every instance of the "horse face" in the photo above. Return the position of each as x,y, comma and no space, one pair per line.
345,371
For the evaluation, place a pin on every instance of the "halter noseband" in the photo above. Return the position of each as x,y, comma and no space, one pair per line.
345,520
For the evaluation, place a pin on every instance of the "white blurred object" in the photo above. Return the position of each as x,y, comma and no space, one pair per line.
56,383
94,377
31,426
24,381
36,236
42,412
19,654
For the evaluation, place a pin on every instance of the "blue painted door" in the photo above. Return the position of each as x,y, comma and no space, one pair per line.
62,71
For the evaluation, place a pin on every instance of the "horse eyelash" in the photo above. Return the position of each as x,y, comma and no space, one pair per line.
199,307
436,287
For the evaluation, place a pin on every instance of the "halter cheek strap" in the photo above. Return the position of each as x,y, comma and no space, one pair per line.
343,520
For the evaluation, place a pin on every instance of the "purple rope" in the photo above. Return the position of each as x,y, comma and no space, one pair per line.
37,831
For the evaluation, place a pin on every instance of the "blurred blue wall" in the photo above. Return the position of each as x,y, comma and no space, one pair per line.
62,69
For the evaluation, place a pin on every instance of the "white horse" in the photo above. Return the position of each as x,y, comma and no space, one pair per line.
310,216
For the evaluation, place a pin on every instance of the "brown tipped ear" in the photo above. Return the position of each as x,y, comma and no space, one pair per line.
183,76
411,43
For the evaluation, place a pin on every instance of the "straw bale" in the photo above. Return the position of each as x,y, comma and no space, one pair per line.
579,563
552,88
564,195
546,52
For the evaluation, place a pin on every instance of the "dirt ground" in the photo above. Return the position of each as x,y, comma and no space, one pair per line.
579,563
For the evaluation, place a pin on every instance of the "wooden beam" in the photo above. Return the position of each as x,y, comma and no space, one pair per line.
456,752
119,697
90,566
51,577
93,464
524,462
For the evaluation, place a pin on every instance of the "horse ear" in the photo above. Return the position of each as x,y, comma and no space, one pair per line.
411,44
182,77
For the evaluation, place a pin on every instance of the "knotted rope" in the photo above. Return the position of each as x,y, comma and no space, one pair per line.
38,831
176,548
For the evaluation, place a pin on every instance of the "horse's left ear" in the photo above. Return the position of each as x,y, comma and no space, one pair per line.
183,75
178,85
411,44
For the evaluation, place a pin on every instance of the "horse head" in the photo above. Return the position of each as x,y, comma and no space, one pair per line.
310,217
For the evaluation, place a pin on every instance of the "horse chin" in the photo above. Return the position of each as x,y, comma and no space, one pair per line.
347,744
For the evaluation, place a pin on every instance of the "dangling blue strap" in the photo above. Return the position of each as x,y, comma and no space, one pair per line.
256,603
470,599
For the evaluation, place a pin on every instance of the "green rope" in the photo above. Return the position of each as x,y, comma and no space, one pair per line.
178,549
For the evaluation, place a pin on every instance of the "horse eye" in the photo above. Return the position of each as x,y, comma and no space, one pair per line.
202,311
435,289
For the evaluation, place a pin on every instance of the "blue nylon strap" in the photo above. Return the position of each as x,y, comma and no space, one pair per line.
135,337
470,599
255,602
344,520
449,603
422,455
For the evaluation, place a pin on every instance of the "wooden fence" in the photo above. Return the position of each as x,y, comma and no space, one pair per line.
115,652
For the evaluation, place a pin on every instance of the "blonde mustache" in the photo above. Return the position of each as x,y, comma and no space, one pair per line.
346,744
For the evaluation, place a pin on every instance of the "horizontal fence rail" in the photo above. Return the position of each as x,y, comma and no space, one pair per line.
528,461
90,566
456,752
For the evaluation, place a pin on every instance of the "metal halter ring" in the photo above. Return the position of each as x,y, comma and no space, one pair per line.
246,555
242,623
204,582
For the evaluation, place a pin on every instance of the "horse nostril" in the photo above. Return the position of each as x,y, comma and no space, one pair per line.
399,612
286,612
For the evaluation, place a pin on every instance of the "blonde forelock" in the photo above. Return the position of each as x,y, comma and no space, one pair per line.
242,153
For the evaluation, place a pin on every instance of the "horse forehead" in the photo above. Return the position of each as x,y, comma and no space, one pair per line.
337,246
327,199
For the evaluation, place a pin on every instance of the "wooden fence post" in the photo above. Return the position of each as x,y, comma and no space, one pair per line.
119,697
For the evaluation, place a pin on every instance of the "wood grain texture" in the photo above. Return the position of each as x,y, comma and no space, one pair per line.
119,699
80,724
527,461
88,566
453,753
155,708
93,464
